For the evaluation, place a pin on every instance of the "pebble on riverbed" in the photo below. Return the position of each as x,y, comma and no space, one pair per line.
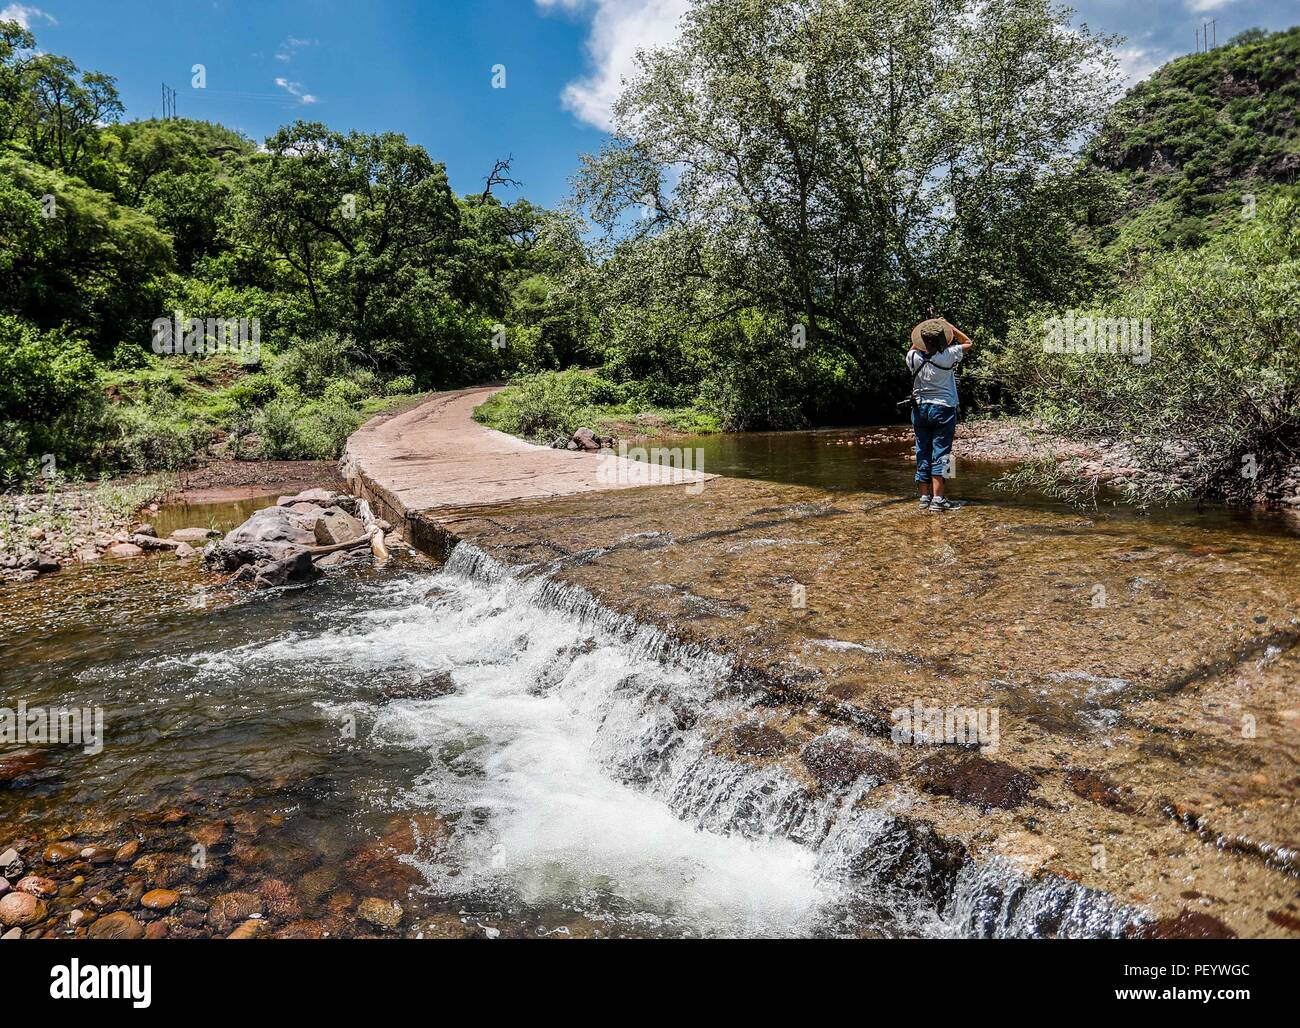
72,530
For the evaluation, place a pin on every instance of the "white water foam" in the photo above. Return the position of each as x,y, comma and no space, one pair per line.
575,759
545,756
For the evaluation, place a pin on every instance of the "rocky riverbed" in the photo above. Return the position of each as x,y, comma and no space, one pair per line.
69,526
667,711
189,871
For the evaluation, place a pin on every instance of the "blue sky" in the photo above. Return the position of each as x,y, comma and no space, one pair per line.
425,67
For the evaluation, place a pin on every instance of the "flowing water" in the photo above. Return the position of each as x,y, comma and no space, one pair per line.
563,752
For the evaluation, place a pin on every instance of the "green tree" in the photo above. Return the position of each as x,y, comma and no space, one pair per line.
845,165
70,255
65,111
17,47
1218,401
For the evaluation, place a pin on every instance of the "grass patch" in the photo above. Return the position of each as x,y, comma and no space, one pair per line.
550,404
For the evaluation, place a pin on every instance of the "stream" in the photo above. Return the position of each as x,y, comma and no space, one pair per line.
501,760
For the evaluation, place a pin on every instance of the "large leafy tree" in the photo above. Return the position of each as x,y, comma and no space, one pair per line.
66,111
846,165
177,172
70,255
17,48
366,223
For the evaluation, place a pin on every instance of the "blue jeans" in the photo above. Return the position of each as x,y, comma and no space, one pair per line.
935,425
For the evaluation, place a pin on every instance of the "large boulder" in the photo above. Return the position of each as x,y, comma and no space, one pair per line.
297,569
277,530
319,497
586,439
335,525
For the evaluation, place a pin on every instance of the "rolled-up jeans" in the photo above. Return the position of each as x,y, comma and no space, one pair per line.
935,426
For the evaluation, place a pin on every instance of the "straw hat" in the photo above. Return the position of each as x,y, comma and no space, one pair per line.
934,334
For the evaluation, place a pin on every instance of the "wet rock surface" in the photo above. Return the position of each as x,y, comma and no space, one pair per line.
981,783
1144,683
837,761
1129,716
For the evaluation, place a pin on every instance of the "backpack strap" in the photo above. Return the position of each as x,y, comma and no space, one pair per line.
925,359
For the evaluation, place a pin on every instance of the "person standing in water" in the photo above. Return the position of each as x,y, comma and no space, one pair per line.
937,349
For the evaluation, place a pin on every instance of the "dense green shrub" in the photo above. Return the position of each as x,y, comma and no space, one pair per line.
50,400
545,405
1223,379
291,429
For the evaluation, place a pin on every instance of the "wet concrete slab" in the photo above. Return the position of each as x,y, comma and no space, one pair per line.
1141,683
435,457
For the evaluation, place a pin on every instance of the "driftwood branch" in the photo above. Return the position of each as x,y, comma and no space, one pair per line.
317,551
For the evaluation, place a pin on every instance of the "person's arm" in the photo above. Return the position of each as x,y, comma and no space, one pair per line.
962,339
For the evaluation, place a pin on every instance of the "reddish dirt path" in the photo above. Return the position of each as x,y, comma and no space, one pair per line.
435,457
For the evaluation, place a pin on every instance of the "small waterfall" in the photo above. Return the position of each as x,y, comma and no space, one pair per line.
578,756
656,714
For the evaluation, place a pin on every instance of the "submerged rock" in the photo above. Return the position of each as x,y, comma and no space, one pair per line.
1091,786
45,888
160,899
60,852
754,739
119,925
232,907
429,687
977,781
250,929
14,766
296,569
20,909
1190,924
386,914
837,761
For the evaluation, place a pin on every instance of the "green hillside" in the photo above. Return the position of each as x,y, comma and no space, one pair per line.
1188,147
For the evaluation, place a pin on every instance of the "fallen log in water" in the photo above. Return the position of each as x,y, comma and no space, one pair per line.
318,551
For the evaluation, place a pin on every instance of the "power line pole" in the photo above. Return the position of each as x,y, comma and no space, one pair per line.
168,103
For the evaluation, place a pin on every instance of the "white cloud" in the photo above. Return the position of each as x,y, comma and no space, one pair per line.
1137,62
295,89
25,15
619,28
291,46
1201,6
